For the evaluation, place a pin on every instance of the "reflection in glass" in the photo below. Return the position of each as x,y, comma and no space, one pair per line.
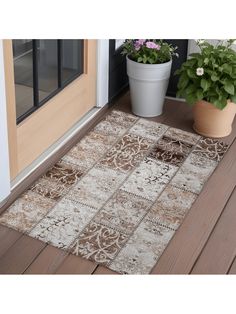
47,67
23,71
72,59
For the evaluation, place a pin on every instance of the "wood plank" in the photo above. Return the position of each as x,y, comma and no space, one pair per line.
101,270
186,245
232,270
220,249
7,238
20,255
76,265
47,261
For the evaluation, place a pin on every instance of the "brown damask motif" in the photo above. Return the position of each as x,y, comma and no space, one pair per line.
171,151
211,149
63,173
57,181
99,243
49,189
126,154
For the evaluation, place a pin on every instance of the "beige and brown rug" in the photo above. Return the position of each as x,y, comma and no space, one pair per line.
119,195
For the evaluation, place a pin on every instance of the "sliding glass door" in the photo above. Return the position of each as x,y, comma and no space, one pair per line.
42,68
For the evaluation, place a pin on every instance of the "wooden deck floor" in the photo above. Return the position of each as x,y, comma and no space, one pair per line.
205,243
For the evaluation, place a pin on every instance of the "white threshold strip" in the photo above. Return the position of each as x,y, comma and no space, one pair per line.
54,147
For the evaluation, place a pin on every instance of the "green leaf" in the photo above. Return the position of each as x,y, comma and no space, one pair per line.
204,84
214,77
233,98
191,99
183,81
227,68
229,88
190,89
199,94
140,59
191,73
200,62
220,103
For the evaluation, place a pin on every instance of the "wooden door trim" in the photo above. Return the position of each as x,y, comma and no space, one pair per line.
11,106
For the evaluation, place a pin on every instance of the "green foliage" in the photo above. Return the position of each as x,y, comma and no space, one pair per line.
139,51
209,75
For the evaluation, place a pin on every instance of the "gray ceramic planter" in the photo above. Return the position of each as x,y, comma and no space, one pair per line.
148,85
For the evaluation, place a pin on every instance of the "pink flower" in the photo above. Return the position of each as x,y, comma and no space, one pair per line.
152,45
138,43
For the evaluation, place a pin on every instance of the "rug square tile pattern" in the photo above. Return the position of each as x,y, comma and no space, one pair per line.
27,211
211,149
89,150
194,173
149,178
49,188
171,151
142,249
63,223
97,186
184,136
171,206
127,153
148,129
99,242
123,211
118,196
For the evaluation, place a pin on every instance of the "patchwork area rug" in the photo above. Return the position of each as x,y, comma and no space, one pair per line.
119,195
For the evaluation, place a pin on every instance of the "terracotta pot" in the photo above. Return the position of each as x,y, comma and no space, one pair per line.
211,121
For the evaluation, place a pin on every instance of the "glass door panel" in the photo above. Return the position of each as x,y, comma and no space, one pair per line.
23,72
72,59
47,68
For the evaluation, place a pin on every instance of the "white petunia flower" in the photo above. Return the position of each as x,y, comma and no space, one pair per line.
200,71
200,41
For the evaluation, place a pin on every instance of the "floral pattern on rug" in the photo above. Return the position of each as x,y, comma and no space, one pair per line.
99,243
126,154
118,196
211,149
171,151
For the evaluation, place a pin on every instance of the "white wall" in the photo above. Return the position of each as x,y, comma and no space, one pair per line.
4,155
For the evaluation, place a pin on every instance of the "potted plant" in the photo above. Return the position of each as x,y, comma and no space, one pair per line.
148,67
208,81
